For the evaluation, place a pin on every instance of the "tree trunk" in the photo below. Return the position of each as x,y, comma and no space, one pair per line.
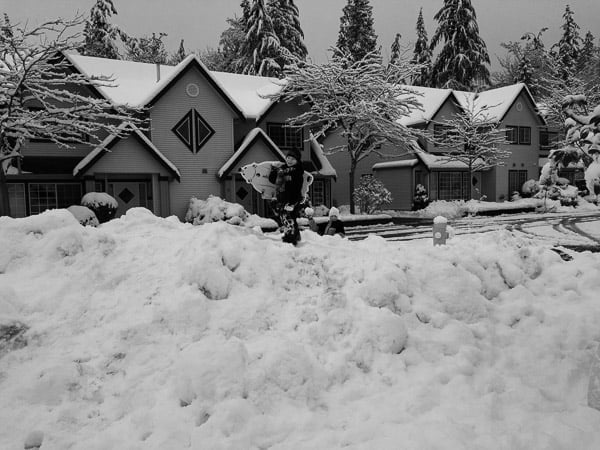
4,202
351,184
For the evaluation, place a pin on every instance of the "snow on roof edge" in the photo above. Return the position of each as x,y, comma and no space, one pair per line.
326,168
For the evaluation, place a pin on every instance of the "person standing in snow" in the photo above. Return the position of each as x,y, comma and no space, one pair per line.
335,225
289,177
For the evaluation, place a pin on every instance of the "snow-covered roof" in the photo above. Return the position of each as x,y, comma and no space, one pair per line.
245,145
433,161
326,167
137,84
431,100
396,164
104,145
498,101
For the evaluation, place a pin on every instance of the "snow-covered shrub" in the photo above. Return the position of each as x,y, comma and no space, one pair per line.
530,188
371,195
421,198
215,209
450,210
568,195
320,210
103,205
84,215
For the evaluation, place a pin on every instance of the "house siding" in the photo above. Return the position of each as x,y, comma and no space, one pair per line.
128,156
447,111
399,182
198,170
279,114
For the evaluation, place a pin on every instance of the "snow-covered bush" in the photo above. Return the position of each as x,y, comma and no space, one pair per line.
84,215
371,195
215,209
103,205
530,188
450,210
421,198
568,195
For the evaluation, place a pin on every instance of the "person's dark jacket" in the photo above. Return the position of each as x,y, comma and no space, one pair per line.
335,227
289,180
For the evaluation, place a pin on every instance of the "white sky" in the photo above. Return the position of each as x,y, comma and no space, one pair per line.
200,22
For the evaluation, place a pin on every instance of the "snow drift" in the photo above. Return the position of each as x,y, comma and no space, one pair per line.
150,333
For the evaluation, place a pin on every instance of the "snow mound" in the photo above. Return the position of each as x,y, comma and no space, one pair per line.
152,333
215,209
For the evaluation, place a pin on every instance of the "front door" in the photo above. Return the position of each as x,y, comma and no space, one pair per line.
129,194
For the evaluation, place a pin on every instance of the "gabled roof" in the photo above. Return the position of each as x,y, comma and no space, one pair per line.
247,143
135,84
105,146
498,101
431,99
324,167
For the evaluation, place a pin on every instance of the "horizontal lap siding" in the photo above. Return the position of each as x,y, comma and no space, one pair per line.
399,182
166,113
128,156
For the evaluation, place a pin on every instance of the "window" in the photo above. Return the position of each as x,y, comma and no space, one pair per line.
285,137
516,178
43,196
319,193
548,139
518,135
453,186
16,199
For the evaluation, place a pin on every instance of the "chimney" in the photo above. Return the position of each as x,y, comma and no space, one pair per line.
157,72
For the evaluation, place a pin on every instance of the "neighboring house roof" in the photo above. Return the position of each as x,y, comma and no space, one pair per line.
396,164
431,99
140,84
247,143
105,146
498,101
324,167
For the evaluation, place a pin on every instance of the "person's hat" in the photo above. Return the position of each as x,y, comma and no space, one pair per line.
334,212
295,153
309,212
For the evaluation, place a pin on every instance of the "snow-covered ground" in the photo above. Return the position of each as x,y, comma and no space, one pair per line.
147,333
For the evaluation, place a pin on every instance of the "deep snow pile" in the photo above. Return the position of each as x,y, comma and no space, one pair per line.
146,333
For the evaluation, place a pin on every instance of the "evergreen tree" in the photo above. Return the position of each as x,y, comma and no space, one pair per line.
99,34
422,53
286,25
179,55
261,47
147,49
232,40
588,52
395,50
569,45
462,59
357,35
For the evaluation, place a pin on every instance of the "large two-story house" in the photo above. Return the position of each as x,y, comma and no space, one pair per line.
202,127
511,107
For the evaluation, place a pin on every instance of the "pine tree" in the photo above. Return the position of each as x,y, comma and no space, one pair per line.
147,49
100,35
261,48
462,59
569,45
395,49
232,40
179,55
286,25
588,52
422,53
357,35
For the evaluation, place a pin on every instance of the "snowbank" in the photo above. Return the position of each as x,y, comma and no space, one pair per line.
155,334
215,209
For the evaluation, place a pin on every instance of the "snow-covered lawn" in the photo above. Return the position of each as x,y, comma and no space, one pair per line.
147,333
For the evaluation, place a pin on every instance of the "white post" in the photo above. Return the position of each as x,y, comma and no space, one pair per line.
440,234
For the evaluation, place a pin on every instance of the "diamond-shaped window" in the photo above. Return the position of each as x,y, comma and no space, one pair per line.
241,193
203,131
126,195
183,130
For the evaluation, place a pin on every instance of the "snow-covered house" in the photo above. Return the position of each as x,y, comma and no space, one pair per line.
512,107
202,127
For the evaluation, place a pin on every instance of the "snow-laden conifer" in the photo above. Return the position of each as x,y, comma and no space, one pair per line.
422,53
147,49
261,47
395,50
100,35
357,34
462,61
569,45
179,55
286,25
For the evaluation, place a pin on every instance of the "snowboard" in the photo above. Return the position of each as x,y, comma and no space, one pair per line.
257,174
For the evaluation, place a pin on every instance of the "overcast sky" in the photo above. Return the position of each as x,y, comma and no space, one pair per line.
200,22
